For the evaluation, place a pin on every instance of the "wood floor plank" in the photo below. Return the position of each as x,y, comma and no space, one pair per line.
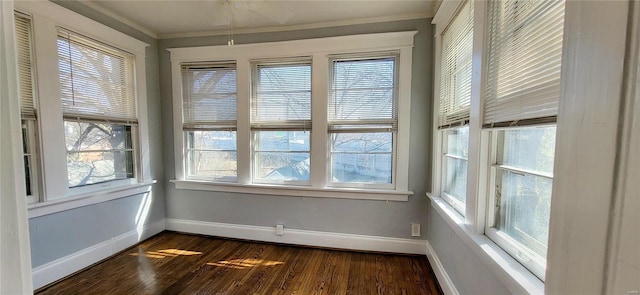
174,263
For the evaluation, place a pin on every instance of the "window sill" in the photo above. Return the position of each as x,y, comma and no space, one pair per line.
512,274
86,199
279,190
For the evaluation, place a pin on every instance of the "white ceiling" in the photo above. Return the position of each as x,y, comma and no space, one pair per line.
173,18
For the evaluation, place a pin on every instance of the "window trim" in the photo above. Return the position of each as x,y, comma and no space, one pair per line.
256,127
320,50
225,125
394,134
30,124
47,17
294,191
471,227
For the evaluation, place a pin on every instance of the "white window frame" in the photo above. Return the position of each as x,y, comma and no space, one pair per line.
216,178
34,164
576,263
30,126
471,227
55,195
394,134
320,50
534,262
254,133
455,203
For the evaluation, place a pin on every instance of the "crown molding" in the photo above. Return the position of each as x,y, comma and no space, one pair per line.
119,18
237,31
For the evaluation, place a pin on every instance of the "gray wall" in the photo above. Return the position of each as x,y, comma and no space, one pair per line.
57,235
467,272
379,218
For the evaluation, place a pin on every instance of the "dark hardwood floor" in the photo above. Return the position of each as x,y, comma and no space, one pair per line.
173,263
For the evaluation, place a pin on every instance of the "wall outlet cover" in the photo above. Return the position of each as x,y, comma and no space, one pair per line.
415,229
280,229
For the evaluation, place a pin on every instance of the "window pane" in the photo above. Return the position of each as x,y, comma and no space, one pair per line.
83,136
362,142
524,185
209,94
98,152
283,93
362,157
456,61
212,154
95,79
524,209
212,140
27,157
282,166
94,167
27,173
213,164
458,142
530,148
363,89
456,178
361,168
283,141
282,155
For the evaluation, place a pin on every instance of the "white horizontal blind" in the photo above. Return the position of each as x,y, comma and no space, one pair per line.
25,65
363,94
455,80
96,80
281,95
209,96
525,54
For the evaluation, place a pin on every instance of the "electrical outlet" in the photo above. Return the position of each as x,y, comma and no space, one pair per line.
280,229
415,229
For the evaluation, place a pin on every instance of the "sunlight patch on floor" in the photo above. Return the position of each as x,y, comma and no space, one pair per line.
167,253
244,263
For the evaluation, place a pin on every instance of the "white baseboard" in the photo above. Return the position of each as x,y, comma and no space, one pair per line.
62,267
443,278
299,237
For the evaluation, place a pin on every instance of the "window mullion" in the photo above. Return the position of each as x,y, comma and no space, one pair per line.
478,165
244,137
51,123
401,152
319,126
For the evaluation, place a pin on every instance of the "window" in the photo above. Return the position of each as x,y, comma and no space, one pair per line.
83,109
454,162
99,109
363,119
524,59
98,152
519,215
499,68
523,89
454,107
455,74
281,121
309,118
28,109
209,120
